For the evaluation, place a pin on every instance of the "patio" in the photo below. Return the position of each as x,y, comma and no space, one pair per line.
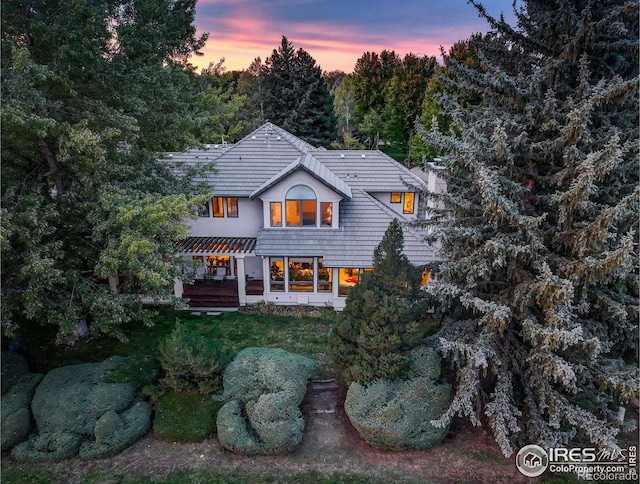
224,294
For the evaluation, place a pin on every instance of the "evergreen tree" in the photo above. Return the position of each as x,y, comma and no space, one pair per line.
404,95
379,321
296,96
91,91
463,52
540,233
371,74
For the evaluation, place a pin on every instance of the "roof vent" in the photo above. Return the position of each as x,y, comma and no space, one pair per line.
341,155
363,155
170,155
207,146
215,146
279,137
253,137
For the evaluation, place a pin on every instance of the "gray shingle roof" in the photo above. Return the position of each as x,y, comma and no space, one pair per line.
269,154
311,165
363,221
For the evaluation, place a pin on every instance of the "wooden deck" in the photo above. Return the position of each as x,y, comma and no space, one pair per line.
210,293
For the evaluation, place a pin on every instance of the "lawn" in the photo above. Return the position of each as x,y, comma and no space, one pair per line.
238,330
394,152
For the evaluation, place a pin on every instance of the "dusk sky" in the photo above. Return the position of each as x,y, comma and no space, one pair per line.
336,32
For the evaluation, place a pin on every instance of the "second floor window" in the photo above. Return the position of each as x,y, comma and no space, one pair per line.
300,206
219,203
406,198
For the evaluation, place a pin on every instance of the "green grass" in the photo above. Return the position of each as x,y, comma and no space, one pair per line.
185,417
209,476
394,152
236,330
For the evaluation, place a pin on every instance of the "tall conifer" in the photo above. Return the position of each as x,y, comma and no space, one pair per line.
379,322
296,97
540,233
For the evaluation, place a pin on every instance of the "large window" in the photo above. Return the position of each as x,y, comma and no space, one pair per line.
347,278
325,277
301,274
215,261
300,206
276,271
276,214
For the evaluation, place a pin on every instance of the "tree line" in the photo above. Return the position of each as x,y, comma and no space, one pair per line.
375,106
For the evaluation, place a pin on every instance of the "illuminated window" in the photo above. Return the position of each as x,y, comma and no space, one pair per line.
308,212
326,212
396,197
276,214
347,278
301,274
407,206
325,277
300,206
276,270
215,261
426,277
218,206
232,207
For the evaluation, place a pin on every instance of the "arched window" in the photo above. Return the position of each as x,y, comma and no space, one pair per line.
300,206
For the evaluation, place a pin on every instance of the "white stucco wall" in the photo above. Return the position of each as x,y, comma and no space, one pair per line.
278,193
247,223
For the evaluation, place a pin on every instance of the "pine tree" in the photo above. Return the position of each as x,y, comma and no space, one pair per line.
540,237
296,97
379,322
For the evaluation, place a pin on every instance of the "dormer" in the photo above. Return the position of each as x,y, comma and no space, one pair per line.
304,194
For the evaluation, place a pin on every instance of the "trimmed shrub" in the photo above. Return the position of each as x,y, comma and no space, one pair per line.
264,388
191,362
396,415
277,420
52,446
234,433
15,413
114,432
18,386
255,371
185,417
72,398
73,404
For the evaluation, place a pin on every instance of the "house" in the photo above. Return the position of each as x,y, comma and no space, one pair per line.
290,223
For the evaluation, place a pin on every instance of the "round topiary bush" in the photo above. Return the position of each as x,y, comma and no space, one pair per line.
396,415
74,406
264,388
